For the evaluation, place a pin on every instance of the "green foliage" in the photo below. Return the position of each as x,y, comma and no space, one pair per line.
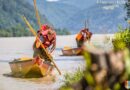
88,60
121,39
11,23
4,33
66,88
92,78
72,78
119,45
127,6
62,32
88,76
16,31
127,62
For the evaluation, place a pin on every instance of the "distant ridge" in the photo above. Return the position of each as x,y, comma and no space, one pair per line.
71,14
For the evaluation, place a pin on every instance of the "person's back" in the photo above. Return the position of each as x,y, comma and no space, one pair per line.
43,34
83,36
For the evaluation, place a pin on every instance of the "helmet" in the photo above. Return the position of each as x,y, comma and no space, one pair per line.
45,27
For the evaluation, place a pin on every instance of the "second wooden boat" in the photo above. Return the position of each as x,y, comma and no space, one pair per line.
72,52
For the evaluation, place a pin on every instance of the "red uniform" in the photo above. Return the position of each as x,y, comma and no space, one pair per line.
47,36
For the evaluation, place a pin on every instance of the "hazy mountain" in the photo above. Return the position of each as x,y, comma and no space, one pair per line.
56,12
71,14
82,4
12,10
11,23
102,18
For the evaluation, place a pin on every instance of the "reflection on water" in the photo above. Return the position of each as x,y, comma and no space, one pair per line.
11,48
16,48
66,65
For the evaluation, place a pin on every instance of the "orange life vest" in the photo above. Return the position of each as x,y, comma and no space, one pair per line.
79,36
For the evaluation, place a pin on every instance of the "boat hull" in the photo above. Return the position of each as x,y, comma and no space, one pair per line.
30,68
72,52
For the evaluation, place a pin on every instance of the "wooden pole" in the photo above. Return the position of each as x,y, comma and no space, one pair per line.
35,34
37,14
85,24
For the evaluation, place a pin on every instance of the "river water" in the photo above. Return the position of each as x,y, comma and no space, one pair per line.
11,48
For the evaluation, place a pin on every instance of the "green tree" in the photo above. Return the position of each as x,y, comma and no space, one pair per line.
63,31
127,5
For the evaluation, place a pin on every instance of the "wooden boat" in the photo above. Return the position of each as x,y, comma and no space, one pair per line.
30,68
72,52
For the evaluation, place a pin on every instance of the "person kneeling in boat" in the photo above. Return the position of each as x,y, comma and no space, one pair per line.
82,36
48,38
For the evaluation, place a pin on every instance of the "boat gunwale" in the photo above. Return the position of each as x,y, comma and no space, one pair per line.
72,49
20,61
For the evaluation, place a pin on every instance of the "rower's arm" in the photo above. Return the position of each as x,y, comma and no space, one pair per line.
53,45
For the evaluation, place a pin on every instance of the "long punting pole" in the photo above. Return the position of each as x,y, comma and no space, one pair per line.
35,34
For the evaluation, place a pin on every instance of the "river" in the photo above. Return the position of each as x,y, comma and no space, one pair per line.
17,47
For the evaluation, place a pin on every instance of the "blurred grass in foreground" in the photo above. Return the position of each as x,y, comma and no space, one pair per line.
71,78
122,39
104,70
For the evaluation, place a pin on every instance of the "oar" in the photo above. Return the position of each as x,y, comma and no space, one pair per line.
37,14
35,34
85,24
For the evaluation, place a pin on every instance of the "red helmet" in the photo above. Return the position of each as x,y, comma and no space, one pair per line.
44,27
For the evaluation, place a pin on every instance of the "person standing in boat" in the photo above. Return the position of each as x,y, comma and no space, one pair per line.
82,36
48,38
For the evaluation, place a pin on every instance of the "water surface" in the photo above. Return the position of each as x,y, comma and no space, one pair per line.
11,48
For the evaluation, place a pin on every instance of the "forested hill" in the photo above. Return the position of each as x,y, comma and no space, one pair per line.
11,23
